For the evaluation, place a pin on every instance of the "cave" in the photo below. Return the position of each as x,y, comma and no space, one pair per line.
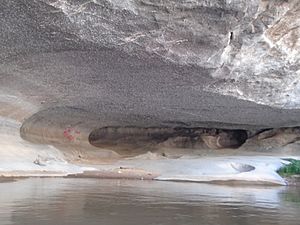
89,84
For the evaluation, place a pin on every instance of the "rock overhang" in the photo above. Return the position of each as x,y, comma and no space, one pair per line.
219,63
71,69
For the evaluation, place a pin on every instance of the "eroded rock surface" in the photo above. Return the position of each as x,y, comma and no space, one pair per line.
282,140
70,67
250,48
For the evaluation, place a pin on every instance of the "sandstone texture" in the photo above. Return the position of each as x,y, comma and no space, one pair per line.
70,67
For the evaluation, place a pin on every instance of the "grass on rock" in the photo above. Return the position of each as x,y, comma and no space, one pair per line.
291,169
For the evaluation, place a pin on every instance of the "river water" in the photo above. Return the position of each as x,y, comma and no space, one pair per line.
64,201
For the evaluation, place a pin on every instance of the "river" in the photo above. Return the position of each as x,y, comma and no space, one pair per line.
66,201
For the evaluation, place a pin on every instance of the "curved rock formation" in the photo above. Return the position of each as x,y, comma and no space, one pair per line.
86,73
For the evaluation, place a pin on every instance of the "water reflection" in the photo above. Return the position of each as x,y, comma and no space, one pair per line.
109,202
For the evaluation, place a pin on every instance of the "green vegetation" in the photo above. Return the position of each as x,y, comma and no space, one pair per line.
291,169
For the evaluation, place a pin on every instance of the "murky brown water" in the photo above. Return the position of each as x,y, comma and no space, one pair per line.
58,201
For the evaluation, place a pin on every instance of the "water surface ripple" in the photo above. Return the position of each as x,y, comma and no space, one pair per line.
61,201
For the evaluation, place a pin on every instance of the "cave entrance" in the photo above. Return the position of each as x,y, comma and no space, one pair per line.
136,140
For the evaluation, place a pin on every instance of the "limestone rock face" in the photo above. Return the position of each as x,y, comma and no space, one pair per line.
250,48
148,63
263,63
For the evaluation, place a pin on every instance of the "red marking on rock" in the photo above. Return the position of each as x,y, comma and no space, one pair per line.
71,133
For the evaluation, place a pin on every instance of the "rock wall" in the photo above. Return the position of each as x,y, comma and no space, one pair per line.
70,67
250,48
